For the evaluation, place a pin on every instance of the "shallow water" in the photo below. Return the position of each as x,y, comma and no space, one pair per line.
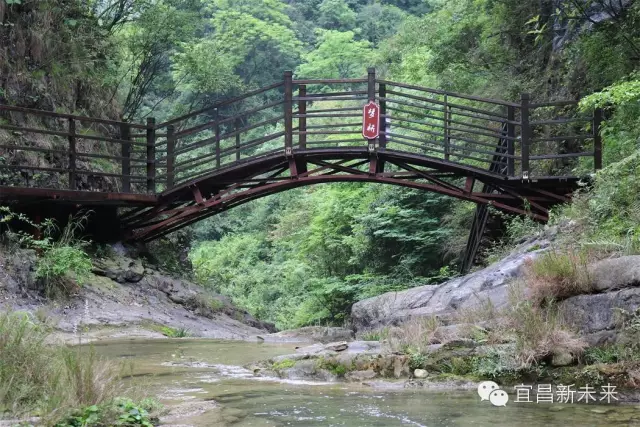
250,401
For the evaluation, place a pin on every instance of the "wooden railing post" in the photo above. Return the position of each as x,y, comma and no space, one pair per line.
72,154
511,134
382,93
302,121
151,155
216,115
238,126
525,133
288,113
447,132
597,139
171,146
125,153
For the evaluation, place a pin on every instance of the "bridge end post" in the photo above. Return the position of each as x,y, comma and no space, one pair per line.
511,135
526,133
597,139
151,155
171,145
288,122
72,154
125,153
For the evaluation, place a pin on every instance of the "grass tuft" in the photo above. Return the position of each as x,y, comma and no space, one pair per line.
555,276
39,379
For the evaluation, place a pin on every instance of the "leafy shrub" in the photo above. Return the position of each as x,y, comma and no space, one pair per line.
62,263
170,332
611,354
121,412
417,360
332,366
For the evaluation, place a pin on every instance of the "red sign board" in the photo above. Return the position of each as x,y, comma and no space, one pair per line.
371,120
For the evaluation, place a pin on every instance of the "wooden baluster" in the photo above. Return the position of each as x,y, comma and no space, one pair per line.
447,130
72,154
382,93
526,133
171,146
216,115
302,121
238,126
511,134
151,155
125,153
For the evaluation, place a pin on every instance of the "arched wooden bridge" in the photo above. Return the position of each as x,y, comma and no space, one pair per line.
147,180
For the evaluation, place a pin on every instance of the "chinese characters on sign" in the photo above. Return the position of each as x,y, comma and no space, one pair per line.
544,393
371,120
566,394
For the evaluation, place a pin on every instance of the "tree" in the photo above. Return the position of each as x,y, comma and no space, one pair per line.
248,44
378,22
336,15
337,55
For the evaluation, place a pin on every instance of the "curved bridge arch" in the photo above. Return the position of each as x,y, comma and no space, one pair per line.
240,183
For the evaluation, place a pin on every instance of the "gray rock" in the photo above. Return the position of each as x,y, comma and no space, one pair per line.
337,346
442,300
562,359
420,373
361,375
615,273
320,334
596,312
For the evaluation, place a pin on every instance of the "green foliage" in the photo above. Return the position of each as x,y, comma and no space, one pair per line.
121,412
283,364
333,366
417,360
170,332
611,354
337,55
63,262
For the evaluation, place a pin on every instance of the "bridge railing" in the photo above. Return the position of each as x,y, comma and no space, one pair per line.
521,140
58,150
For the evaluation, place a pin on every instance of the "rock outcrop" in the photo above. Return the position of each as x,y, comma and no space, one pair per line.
125,297
489,284
615,285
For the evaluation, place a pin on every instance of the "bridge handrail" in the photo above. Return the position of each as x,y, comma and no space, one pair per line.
453,94
220,104
70,116
466,129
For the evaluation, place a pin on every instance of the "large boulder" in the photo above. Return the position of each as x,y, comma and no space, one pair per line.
597,312
615,273
488,284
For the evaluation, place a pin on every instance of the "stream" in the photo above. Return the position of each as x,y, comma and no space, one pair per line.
197,370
